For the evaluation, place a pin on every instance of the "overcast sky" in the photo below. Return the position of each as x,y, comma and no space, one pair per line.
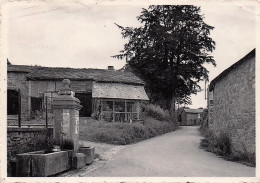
84,35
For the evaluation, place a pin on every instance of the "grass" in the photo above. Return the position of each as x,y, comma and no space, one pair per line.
123,133
222,146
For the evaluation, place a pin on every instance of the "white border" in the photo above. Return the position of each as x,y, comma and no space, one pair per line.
3,73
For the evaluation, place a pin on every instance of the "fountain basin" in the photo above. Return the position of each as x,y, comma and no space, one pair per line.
42,163
89,153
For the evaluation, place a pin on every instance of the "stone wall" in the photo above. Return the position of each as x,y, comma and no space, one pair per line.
233,108
18,81
21,140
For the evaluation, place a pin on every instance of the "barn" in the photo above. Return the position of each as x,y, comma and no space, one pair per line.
105,94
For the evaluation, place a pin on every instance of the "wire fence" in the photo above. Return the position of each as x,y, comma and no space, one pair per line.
40,114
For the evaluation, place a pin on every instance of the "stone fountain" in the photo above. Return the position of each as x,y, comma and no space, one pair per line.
66,154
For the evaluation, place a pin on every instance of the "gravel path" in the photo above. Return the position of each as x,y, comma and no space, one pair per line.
176,154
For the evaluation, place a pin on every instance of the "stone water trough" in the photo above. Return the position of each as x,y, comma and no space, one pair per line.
43,163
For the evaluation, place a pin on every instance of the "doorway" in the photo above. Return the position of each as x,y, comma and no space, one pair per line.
86,102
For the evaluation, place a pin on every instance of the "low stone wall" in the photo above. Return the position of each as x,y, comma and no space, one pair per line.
21,140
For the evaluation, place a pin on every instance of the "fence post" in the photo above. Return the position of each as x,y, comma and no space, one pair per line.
19,108
46,111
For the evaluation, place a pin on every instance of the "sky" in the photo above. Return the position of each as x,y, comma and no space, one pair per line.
84,35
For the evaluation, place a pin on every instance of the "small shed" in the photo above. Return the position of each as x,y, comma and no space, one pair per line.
118,101
191,117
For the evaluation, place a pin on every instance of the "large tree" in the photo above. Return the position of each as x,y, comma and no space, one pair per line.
169,52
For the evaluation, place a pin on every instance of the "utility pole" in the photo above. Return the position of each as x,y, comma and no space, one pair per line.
206,90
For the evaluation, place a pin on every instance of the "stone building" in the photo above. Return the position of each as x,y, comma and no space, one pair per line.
231,104
104,94
190,117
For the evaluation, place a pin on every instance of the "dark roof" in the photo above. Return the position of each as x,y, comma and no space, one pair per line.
19,68
195,111
250,55
59,73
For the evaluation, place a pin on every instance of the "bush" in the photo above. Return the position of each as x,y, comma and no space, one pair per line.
123,133
223,143
219,145
204,143
156,112
222,146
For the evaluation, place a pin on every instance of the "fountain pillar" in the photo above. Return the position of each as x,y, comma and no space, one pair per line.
66,118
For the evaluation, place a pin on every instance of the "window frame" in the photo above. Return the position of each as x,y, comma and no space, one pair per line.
128,116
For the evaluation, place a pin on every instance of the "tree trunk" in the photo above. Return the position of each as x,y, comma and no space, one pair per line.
172,110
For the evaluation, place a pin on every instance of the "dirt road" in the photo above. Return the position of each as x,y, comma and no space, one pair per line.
175,154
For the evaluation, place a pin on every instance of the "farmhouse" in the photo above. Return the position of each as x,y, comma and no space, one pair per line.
104,94
231,104
190,117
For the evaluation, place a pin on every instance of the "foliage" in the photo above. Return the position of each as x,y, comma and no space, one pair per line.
156,112
222,146
219,145
123,133
168,52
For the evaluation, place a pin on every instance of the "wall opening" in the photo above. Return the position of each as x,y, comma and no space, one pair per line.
12,102
36,103
86,102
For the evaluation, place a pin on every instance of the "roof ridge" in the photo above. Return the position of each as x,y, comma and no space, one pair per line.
71,68
57,73
226,71
39,66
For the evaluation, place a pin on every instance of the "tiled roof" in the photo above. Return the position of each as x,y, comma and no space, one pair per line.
227,71
119,91
59,73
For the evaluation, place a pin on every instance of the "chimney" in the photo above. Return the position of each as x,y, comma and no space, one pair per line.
110,68
8,62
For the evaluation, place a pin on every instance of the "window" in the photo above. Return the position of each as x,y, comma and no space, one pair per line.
211,102
107,105
107,108
119,106
36,103
179,118
119,110
131,107
131,110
